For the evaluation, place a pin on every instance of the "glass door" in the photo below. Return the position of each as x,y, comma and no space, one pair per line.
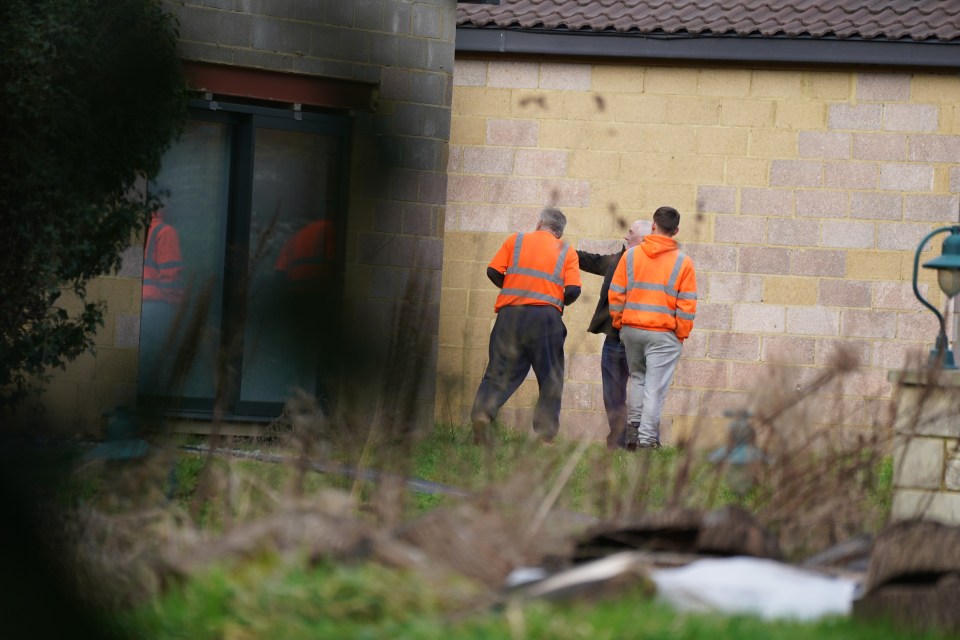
243,277
293,262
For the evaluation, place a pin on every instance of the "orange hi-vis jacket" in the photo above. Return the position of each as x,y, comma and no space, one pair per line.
308,255
162,263
536,267
655,288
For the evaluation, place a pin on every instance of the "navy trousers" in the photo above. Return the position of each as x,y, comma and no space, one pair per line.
614,373
525,336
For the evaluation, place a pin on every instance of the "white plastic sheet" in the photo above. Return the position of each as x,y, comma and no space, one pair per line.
753,586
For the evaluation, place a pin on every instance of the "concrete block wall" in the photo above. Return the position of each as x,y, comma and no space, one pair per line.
926,456
405,48
803,194
398,177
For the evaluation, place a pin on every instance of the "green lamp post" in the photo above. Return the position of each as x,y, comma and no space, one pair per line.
948,277
741,457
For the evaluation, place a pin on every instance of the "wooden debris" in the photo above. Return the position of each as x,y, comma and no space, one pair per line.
726,532
850,555
732,531
914,577
594,580
920,607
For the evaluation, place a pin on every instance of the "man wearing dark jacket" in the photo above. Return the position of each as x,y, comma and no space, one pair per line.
613,359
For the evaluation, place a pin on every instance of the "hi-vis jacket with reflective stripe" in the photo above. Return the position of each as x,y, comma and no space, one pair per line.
307,256
162,263
536,267
654,288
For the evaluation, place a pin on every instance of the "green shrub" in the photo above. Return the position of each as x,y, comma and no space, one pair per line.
93,94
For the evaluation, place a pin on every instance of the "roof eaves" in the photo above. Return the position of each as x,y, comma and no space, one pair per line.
821,50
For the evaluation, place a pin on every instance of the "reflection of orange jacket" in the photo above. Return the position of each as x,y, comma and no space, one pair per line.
655,288
162,263
536,267
308,255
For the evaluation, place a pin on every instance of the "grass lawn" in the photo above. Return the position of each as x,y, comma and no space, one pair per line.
269,601
272,598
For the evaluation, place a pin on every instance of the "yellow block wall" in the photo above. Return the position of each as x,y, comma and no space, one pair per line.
803,197
75,401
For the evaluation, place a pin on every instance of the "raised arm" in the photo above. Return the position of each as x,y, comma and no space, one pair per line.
593,262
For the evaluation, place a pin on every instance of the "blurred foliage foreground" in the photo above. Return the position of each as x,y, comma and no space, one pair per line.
323,532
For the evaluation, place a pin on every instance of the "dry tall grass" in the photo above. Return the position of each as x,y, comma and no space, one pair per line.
815,490
527,504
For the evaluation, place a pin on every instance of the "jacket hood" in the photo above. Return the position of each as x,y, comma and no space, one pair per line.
653,245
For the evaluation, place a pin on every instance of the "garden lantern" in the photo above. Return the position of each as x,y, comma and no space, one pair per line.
948,277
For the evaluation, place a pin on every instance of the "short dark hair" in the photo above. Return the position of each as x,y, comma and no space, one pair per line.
667,219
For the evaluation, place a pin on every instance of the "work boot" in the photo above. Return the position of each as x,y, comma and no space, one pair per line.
633,437
615,439
481,431
649,445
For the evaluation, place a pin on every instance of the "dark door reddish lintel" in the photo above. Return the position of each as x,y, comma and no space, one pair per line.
226,80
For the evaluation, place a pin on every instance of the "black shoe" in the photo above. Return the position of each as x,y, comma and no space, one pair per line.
648,445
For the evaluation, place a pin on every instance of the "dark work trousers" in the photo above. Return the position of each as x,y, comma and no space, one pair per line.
525,336
614,373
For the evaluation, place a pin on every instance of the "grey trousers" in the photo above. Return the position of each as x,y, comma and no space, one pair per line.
652,359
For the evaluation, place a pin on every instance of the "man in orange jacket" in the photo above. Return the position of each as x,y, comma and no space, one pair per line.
653,301
307,257
162,262
304,342
162,294
538,275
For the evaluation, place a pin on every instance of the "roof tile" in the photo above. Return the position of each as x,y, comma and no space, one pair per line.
853,19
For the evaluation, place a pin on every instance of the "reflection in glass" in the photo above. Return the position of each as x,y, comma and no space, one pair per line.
291,262
195,182
251,201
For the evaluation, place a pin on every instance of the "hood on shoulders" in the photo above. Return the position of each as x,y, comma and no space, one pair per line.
653,245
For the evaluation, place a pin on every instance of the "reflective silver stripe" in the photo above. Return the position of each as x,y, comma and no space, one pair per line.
616,307
617,288
649,286
669,288
532,294
172,264
558,269
672,282
554,278
516,249
654,308
523,271
160,284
